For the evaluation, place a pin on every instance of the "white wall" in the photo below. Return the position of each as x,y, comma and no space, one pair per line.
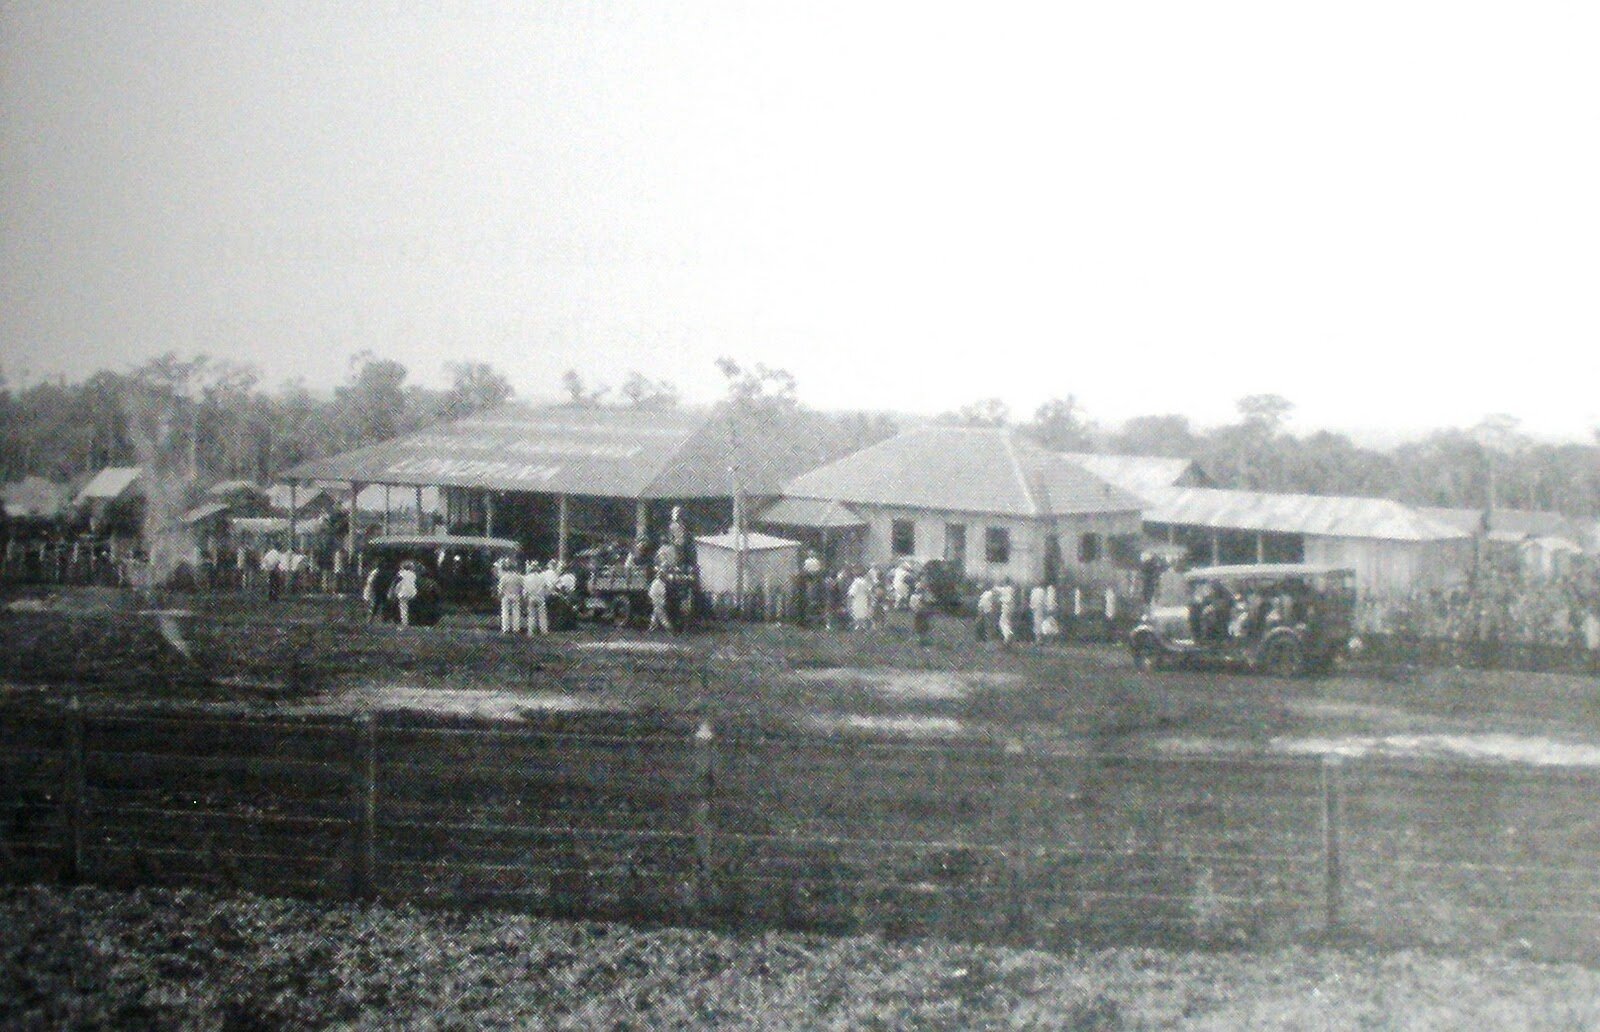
1395,567
1026,564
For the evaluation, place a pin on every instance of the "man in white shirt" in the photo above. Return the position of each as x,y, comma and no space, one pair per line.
272,566
508,585
658,604
1037,610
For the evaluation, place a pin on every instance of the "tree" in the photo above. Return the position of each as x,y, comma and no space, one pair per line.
1265,413
1156,435
578,392
758,386
474,387
987,412
641,392
373,406
1058,424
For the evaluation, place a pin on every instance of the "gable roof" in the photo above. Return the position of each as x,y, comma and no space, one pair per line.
1321,515
963,469
1142,474
110,483
597,451
1508,524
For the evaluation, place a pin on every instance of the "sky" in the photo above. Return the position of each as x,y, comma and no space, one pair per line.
1384,211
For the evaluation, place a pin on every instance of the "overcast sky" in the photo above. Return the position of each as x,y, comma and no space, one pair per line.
1388,212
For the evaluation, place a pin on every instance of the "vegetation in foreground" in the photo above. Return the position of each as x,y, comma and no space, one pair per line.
88,958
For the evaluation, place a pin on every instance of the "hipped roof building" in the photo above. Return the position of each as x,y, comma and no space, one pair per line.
986,499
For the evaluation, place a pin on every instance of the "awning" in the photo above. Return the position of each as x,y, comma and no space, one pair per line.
810,512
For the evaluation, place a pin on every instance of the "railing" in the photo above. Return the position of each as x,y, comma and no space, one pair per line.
681,822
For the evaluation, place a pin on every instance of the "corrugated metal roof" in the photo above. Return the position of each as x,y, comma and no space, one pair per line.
962,469
1141,474
596,451
753,542
34,498
110,483
1323,515
809,512
1508,524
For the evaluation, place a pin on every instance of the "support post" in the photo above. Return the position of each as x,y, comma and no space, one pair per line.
641,519
77,790
294,513
488,514
705,744
563,527
386,509
1017,831
1261,547
421,528
352,558
366,851
1216,548
1332,859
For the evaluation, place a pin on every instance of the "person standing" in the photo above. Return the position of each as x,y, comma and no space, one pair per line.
920,605
861,596
1052,612
901,582
658,604
536,592
508,584
1037,610
272,567
374,591
1006,598
405,589
986,605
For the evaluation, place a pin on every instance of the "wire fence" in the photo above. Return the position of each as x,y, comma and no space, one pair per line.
693,823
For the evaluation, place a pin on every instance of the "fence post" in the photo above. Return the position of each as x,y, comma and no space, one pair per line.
705,744
1014,789
1332,860
76,790
366,857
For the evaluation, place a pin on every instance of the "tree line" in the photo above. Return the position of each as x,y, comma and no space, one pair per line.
210,420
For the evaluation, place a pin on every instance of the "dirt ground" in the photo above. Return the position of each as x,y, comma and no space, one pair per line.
316,654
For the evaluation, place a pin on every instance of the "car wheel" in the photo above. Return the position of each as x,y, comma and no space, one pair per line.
1283,657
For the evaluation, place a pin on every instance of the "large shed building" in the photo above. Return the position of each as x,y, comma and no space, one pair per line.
553,477
986,500
1393,548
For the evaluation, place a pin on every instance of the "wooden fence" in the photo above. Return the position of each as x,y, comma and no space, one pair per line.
686,823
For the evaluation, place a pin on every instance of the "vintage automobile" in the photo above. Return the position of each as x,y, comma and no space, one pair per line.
1279,618
460,567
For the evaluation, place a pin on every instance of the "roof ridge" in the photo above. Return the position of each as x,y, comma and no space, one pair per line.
1009,440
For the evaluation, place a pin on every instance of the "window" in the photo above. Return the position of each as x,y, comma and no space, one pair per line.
955,545
997,544
1089,548
903,537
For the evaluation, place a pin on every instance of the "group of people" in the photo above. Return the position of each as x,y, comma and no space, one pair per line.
400,585
999,616
864,595
1217,614
524,593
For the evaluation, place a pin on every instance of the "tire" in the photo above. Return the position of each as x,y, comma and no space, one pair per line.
1283,656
